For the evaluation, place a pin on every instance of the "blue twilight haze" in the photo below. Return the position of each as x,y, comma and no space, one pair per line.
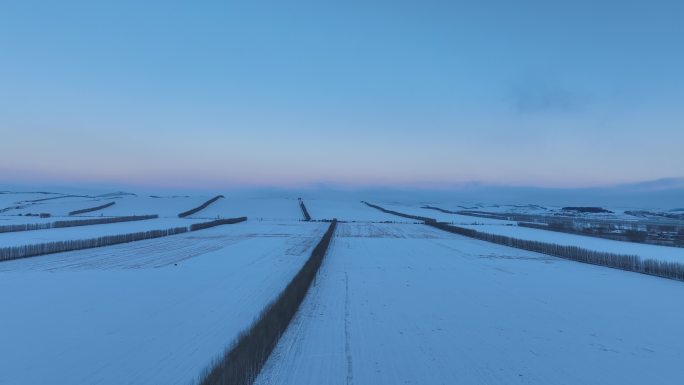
351,93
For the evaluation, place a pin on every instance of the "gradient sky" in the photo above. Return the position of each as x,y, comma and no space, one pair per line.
354,93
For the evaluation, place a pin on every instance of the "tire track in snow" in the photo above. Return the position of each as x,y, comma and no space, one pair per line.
347,338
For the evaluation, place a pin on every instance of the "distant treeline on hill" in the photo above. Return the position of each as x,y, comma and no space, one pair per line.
200,207
73,223
91,209
586,209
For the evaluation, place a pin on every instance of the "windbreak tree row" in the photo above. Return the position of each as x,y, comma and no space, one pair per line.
218,222
305,212
672,270
200,207
409,216
25,251
439,209
73,223
91,209
241,364
665,269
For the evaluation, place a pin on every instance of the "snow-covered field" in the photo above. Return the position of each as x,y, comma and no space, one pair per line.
348,210
149,312
93,231
511,229
665,253
406,304
443,217
255,208
394,303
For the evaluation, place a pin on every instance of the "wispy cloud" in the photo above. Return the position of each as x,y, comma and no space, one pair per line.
538,97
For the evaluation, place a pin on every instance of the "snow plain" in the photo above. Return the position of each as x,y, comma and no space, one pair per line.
19,238
408,304
394,303
511,229
348,210
257,208
147,312
663,253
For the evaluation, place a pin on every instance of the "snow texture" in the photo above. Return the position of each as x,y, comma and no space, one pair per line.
418,306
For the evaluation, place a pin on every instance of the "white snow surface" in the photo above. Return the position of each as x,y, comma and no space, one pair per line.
394,303
407,304
348,210
664,253
254,208
440,216
142,313
164,206
19,238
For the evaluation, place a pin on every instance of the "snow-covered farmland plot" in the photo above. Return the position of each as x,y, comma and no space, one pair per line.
254,208
409,304
443,217
394,302
347,210
164,206
643,250
21,238
148,312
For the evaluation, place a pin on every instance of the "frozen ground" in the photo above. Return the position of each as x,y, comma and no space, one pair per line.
402,304
130,316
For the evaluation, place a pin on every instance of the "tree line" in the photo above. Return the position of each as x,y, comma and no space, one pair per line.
7,253
305,212
24,251
200,207
72,223
218,222
241,364
397,213
672,270
91,209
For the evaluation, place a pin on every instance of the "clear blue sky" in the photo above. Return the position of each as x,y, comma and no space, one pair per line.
262,93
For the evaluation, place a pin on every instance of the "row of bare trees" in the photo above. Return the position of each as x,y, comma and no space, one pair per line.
665,269
218,222
305,212
91,209
24,251
397,213
672,270
72,223
241,364
200,207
